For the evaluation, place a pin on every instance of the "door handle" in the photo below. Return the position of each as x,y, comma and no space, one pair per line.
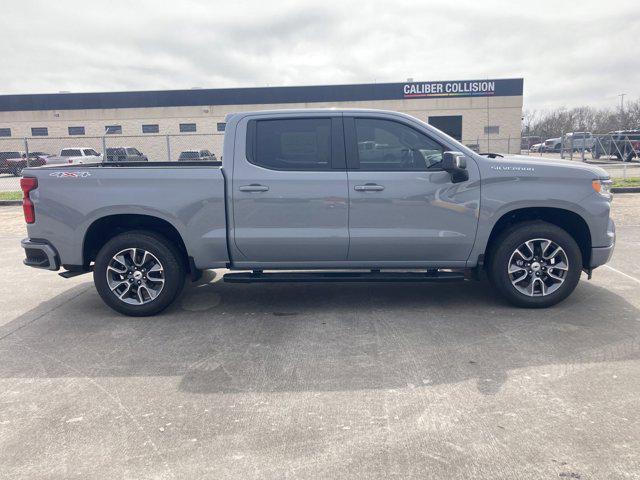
368,187
254,187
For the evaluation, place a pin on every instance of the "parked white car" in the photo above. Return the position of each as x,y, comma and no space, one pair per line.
75,156
536,147
552,145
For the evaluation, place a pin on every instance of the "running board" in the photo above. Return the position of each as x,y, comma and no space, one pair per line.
373,276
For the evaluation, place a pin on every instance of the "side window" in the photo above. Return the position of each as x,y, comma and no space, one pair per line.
385,145
295,144
70,152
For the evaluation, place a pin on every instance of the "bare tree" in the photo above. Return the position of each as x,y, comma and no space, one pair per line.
554,123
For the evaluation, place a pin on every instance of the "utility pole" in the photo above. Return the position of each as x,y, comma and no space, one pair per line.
622,95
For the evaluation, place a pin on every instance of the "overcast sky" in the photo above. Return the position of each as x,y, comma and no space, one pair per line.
569,53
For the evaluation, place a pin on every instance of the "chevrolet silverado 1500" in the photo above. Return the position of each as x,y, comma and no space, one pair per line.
322,195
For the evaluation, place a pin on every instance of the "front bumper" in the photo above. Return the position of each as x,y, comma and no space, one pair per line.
39,254
601,255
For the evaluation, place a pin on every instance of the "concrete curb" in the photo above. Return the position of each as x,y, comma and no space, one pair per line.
625,189
10,203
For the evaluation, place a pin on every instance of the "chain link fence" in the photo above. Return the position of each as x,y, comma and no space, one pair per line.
619,150
19,153
503,145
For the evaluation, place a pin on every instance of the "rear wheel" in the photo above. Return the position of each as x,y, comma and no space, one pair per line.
535,264
139,273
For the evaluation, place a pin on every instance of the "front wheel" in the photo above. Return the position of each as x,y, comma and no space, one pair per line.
535,264
139,273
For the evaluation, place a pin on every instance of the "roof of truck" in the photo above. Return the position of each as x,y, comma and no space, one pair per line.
312,111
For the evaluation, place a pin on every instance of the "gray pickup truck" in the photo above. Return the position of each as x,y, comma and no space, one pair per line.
322,195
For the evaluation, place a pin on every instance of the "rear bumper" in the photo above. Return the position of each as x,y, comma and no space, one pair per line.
39,254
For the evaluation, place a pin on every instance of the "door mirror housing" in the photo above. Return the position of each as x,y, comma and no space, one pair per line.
456,164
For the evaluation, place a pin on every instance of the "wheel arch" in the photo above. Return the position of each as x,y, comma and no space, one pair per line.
573,223
105,228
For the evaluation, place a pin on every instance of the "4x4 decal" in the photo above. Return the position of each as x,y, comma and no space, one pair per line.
70,174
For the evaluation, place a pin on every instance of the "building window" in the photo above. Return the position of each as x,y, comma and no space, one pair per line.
187,127
152,128
39,132
113,129
492,130
5,132
449,124
220,126
76,130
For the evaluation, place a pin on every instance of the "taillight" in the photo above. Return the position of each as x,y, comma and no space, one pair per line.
27,184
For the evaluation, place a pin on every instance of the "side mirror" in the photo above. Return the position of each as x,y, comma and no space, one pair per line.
456,164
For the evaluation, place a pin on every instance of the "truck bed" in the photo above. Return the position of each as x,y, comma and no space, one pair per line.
188,196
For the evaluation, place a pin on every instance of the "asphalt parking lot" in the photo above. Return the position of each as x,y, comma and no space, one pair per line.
321,381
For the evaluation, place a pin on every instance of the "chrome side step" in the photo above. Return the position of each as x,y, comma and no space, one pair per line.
342,276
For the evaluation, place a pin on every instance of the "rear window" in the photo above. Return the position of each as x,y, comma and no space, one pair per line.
185,155
296,144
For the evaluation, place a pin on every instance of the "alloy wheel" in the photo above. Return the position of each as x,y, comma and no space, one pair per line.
135,276
538,267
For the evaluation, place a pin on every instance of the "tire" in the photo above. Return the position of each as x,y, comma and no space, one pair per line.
152,296
503,257
629,156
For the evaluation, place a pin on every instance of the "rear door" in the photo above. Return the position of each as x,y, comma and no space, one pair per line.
403,208
290,191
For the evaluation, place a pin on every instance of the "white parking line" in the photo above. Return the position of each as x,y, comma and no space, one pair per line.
622,273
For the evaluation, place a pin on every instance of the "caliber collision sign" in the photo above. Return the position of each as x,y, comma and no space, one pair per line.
470,88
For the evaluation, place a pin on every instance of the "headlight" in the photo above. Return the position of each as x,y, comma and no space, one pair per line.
603,187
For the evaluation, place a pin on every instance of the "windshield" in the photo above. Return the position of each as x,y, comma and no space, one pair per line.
189,155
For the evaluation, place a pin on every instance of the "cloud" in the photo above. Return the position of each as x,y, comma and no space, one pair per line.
569,54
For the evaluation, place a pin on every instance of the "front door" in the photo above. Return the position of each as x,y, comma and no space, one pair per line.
290,193
403,208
